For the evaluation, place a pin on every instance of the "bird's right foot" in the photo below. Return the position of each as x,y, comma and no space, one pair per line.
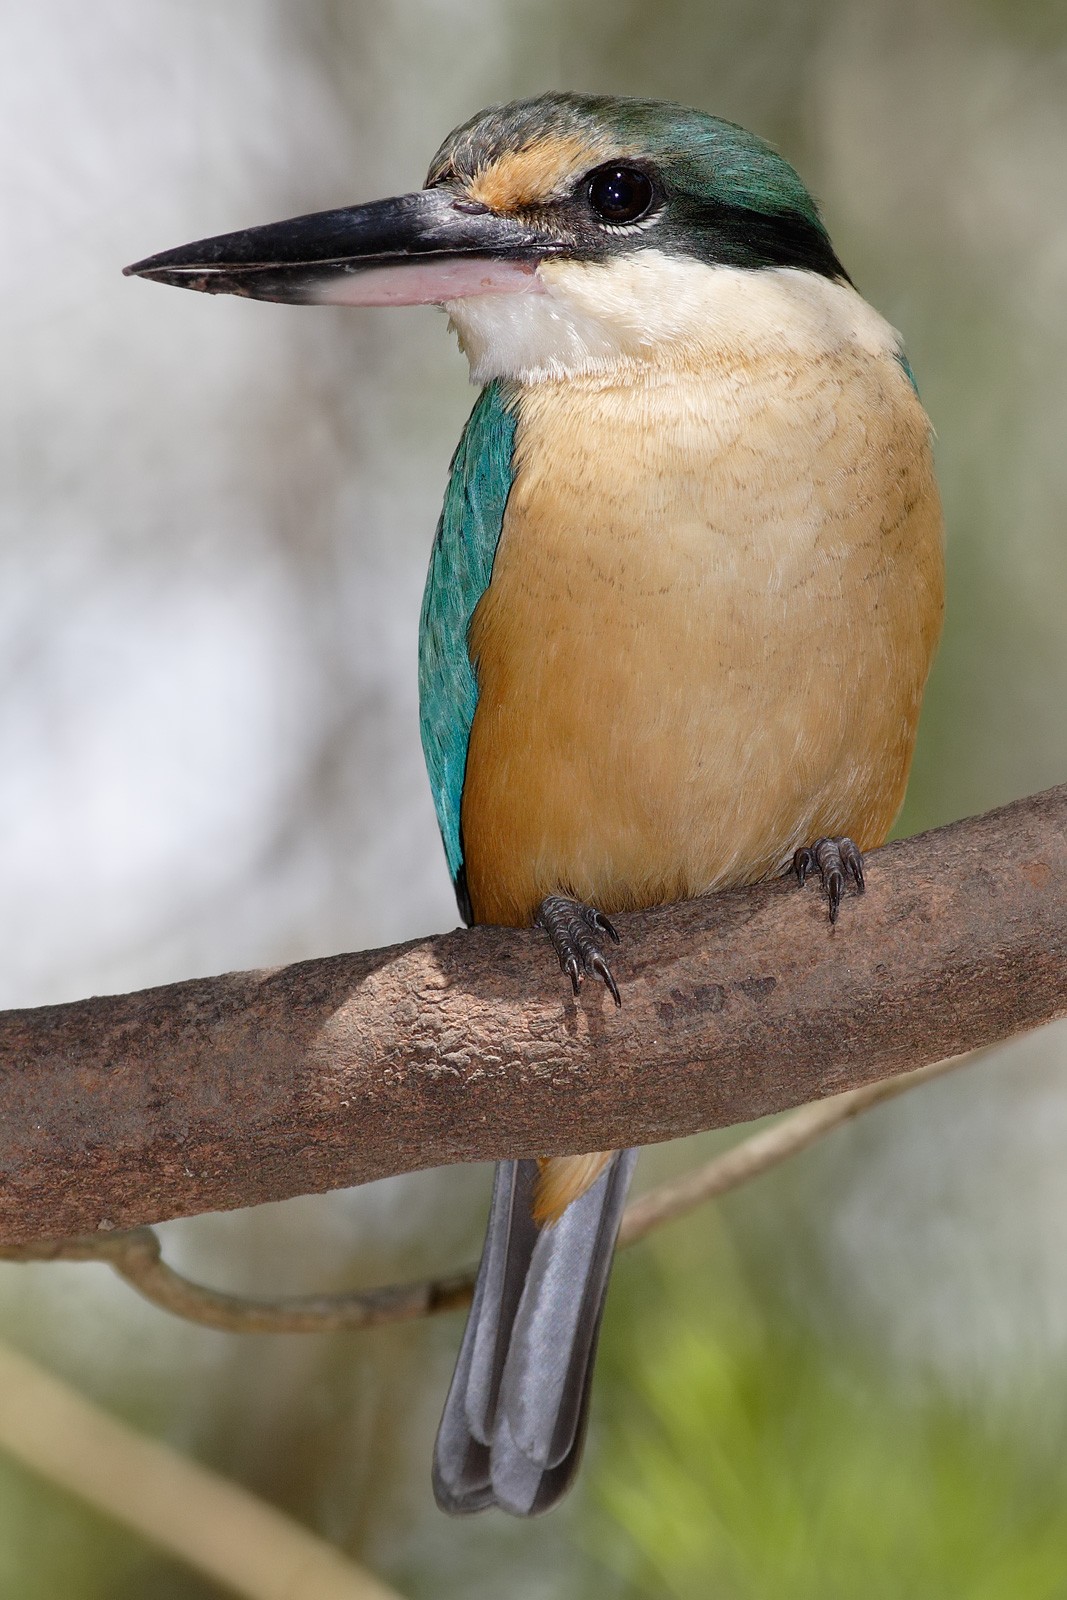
575,930
835,860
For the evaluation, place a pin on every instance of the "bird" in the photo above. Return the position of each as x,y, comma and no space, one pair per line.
683,599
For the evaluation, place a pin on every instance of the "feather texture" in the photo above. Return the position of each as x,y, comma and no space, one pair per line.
460,566
689,632
713,609
563,1179
514,1421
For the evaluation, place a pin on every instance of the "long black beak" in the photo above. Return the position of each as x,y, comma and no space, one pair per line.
423,247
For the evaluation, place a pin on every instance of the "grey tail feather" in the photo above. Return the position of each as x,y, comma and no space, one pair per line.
514,1422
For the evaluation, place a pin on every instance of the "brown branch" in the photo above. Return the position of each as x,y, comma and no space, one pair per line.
228,1091
137,1257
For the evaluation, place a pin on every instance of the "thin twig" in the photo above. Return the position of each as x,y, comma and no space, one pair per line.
137,1258
214,1526
768,1148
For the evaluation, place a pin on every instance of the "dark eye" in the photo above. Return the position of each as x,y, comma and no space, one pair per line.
621,194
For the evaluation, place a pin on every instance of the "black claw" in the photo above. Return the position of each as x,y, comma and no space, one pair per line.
853,861
833,885
803,863
835,860
573,928
600,921
602,970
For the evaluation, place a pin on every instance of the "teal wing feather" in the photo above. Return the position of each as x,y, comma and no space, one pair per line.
460,568
906,364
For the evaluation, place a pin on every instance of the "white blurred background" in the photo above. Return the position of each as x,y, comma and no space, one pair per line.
216,517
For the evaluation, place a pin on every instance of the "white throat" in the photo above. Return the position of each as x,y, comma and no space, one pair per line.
649,310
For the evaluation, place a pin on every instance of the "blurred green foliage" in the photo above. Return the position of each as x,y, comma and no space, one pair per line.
53,1546
746,1458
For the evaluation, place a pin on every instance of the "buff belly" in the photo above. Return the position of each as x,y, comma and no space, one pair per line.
712,612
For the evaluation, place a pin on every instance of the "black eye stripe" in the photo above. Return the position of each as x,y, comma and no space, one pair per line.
619,194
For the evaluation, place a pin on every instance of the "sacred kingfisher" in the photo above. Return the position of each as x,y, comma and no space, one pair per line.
682,602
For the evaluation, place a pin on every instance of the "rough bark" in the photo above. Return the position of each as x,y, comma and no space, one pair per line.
222,1092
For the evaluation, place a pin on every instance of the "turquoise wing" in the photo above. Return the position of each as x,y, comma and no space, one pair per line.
460,568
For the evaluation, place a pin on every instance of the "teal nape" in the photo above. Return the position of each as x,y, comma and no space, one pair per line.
729,196
461,566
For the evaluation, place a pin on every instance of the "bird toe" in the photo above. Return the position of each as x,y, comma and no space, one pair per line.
575,931
835,861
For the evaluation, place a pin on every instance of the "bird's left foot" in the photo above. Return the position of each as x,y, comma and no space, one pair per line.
575,930
835,860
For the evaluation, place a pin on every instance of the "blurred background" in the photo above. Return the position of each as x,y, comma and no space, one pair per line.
849,1379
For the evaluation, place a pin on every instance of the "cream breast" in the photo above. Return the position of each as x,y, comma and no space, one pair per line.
717,592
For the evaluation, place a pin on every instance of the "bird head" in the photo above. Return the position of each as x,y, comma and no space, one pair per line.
563,233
